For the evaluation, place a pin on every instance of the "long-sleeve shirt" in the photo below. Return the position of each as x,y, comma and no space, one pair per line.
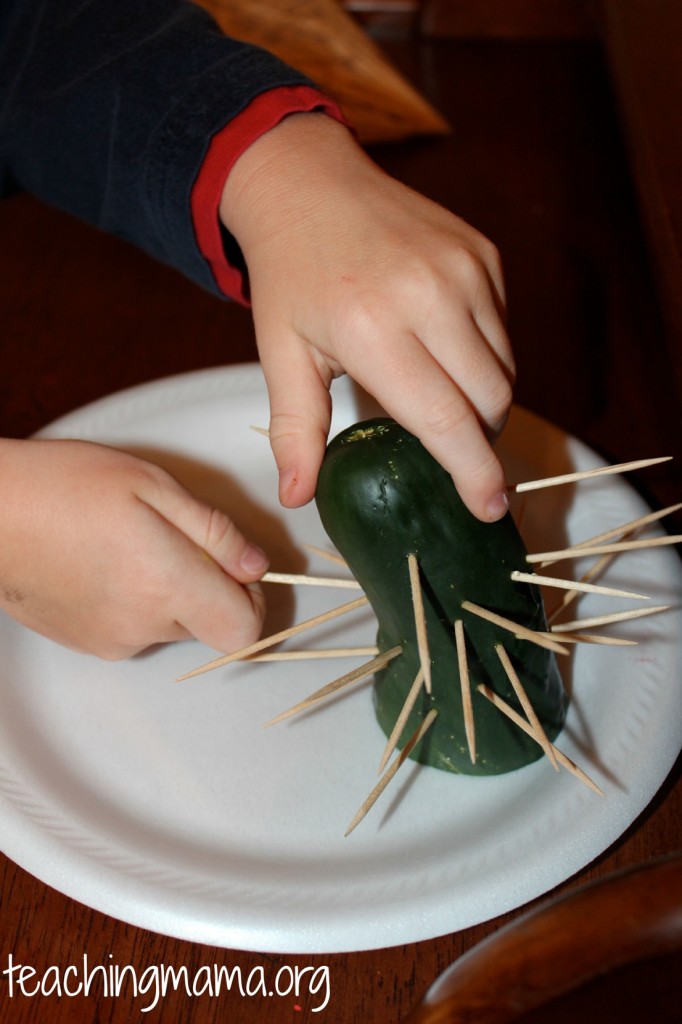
130,114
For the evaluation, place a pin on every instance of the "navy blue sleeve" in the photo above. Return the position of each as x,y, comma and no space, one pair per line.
107,108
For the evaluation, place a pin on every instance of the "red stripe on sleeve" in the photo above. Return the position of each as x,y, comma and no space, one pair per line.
263,113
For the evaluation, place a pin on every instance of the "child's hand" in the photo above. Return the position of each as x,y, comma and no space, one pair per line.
351,271
108,554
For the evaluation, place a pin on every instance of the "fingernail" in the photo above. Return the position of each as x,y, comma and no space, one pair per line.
287,481
497,507
254,561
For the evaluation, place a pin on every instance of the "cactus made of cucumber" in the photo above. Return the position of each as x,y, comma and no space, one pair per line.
382,497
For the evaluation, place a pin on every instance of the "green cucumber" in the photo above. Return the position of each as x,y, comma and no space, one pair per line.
381,496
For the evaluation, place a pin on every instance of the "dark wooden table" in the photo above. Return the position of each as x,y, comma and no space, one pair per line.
536,161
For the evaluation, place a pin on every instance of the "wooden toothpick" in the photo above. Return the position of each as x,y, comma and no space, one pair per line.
465,686
354,676
625,530
420,619
586,588
261,430
311,581
402,718
535,637
592,573
533,720
603,620
622,532
587,638
581,551
569,478
331,556
316,655
513,715
270,641
391,771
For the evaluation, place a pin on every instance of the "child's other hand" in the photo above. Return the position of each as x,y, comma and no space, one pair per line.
108,554
353,272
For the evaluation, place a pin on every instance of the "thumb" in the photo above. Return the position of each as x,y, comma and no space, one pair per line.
300,415
209,528
215,597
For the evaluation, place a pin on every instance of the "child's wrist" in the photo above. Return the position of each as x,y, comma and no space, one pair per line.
303,152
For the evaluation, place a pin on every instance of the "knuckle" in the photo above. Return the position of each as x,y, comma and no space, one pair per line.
149,481
363,320
485,472
490,254
469,268
286,427
221,532
446,417
500,400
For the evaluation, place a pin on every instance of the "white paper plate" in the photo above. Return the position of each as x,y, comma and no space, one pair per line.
167,805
